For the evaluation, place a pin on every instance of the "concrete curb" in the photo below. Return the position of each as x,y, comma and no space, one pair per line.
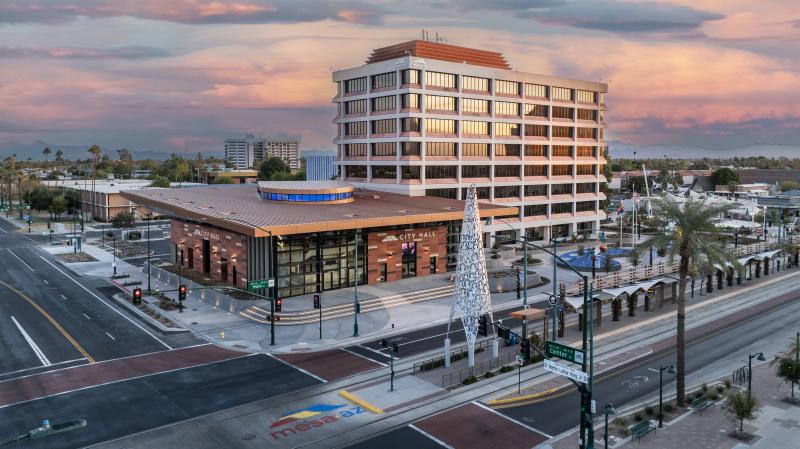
145,317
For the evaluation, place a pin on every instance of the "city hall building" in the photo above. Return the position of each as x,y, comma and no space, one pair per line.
428,118
304,233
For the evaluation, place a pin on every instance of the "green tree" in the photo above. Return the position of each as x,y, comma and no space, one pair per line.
723,176
123,220
699,165
271,167
787,185
223,180
58,206
788,365
739,407
690,235
732,186
160,181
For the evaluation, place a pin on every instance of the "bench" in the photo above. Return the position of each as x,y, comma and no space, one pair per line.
641,429
701,404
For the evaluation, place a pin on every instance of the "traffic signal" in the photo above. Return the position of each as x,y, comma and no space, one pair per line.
316,302
519,286
137,295
503,332
278,304
384,343
358,307
395,348
483,326
182,293
526,349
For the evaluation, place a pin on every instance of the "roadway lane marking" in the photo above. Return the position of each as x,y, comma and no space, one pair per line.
64,297
512,420
86,316
36,350
367,358
376,351
111,336
295,367
23,262
431,437
51,320
108,305
45,281
4,231
65,362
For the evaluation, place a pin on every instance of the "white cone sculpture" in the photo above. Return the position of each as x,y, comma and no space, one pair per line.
471,296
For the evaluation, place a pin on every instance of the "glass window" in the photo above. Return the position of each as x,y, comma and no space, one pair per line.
506,87
475,149
474,106
586,187
586,96
383,80
440,148
410,101
562,151
410,124
440,103
440,126
440,171
442,193
562,131
355,129
475,83
506,108
409,148
386,103
438,79
474,171
536,110
356,171
585,170
536,130
472,127
537,190
383,149
409,172
535,170
506,191
506,149
385,126
587,133
562,93
561,189
536,210
562,112
506,171
355,149
585,151
355,107
384,171
410,76
585,206
536,150
562,170
587,114
535,90
506,129
355,85
484,193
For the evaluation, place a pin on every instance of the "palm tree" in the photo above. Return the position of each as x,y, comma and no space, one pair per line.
58,160
95,150
690,235
46,152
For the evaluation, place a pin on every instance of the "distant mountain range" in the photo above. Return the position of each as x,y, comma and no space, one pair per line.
625,150
33,150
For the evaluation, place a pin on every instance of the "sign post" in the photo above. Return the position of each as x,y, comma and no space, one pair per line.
564,352
519,361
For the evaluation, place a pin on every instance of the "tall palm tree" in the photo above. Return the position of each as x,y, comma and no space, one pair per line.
46,152
690,235
58,160
95,150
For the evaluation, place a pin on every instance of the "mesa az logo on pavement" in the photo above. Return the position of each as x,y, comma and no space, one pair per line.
301,420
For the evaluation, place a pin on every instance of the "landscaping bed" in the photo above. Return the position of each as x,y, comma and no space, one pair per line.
75,257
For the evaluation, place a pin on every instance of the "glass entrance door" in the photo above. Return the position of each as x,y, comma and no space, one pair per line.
409,269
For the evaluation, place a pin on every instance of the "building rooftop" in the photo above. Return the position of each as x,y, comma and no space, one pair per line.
239,209
442,52
112,186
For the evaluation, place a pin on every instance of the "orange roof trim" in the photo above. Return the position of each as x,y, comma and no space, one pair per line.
442,52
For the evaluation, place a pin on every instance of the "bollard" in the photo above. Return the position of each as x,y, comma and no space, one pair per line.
447,353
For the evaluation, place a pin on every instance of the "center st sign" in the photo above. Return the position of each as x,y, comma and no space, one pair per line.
564,352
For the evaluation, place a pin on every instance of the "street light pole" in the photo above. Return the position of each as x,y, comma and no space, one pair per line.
555,305
356,306
114,252
750,357
609,411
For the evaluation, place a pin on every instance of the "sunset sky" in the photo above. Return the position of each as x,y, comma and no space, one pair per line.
165,74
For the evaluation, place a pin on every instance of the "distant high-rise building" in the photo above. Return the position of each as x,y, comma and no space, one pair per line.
247,153
427,118
320,165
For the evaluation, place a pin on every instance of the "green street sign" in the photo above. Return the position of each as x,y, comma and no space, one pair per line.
568,353
260,283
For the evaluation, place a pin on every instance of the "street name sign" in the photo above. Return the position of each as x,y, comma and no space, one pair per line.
578,376
564,352
260,283
520,361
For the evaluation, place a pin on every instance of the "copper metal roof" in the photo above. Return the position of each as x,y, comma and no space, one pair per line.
439,51
239,209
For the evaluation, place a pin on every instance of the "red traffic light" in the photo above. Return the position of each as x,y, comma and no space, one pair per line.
316,301
137,295
181,292
278,304
183,289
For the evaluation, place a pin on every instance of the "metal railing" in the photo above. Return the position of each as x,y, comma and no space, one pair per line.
455,355
454,378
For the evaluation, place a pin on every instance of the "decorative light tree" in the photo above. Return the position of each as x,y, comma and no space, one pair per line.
471,294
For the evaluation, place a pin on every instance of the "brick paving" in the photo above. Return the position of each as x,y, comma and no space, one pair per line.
330,365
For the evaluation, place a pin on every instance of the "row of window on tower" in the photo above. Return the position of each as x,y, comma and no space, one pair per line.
467,127
471,172
484,150
446,104
451,81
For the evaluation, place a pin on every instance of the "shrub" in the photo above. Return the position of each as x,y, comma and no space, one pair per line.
704,387
727,383
625,432
698,395
669,408
623,422
712,396
648,410
488,375
638,418
720,388
506,368
470,380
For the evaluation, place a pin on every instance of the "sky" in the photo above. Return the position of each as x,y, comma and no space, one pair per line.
169,75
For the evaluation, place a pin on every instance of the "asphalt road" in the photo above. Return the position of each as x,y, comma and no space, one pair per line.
52,318
122,408
558,413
